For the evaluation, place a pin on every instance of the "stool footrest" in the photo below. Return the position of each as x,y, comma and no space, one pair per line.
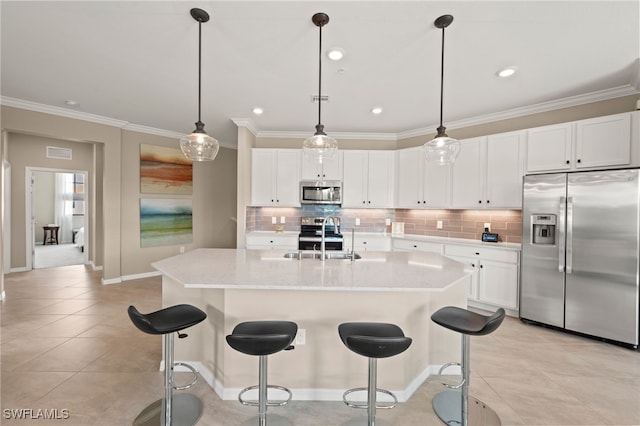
444,367
273,403
193,371
366,405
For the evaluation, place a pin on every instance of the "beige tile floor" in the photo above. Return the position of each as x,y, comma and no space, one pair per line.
67,344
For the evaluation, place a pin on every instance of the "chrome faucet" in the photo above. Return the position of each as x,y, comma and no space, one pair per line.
323,249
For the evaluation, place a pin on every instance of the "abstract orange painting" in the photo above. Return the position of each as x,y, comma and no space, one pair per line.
164,170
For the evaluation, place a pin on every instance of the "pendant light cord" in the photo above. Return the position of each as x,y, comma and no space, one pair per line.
320,76
199,68
441,81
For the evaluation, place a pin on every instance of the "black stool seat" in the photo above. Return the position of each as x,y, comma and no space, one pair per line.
167,320
262,337
467,322
373,339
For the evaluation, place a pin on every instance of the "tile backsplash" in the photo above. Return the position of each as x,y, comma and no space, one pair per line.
455,223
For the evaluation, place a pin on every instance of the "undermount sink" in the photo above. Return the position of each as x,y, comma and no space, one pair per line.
340,255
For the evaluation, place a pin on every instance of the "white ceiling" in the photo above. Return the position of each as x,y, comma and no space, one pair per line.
137,61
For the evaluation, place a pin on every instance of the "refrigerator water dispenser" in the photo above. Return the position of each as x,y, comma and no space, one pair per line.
543,229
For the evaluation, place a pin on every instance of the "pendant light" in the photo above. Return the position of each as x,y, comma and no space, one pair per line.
320,147
199,146
442,149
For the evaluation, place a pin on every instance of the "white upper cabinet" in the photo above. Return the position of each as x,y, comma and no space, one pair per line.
328,170
275,177
420,184
505,169
488,172
549,148
367,179
603,141
592,143
467,184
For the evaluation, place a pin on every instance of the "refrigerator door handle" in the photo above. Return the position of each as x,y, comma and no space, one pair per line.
561,233
569,266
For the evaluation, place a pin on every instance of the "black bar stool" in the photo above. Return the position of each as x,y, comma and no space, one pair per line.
181,409
373,340
263,338
455,406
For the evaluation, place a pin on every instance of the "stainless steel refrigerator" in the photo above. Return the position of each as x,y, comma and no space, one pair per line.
580,253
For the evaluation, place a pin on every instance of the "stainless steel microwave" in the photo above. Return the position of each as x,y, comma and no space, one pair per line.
321,192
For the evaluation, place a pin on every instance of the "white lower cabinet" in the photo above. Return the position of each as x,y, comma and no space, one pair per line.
413,245
495,274
366,242
267,240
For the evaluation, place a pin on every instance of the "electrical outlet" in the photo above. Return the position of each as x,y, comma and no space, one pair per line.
487,226
181,249
301,336
281,219
273,220
439,224
387,221
357,221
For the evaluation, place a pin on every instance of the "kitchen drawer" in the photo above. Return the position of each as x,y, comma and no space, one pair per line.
281,241
482,252
413,245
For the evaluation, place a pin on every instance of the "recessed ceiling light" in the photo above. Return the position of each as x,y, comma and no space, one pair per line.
71,103
258,110
507,72
376,110
335,53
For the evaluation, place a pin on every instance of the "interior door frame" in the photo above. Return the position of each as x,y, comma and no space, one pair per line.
30,216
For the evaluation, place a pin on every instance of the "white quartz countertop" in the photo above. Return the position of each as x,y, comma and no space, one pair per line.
268,269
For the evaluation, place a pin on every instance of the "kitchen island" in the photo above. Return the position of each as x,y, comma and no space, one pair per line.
232,286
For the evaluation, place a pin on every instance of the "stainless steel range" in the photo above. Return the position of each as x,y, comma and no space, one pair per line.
310,237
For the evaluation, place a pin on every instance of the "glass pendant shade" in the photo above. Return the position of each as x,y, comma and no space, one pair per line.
320,147
442,149
199,146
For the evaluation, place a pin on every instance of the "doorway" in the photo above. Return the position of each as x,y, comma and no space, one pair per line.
57,218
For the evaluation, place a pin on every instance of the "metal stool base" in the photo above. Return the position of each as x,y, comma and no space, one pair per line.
186,411
448,406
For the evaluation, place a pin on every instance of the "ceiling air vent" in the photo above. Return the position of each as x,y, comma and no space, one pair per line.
323,98
59,153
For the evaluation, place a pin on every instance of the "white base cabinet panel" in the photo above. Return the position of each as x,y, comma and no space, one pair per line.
495,279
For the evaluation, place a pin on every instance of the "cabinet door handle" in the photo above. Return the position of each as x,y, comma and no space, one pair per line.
473,265
277,201
415,246
481,266
487,201
567,161
479,201
369,202
579,160
477,253
364,202
418,202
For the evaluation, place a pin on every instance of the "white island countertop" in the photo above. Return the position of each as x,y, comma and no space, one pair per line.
268,269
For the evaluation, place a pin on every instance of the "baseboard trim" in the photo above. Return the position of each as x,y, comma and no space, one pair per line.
20,269
142,275
110,281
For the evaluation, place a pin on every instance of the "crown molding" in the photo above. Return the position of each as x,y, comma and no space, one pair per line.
166,133
98,119
602,95
246,123
337,135
59,111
